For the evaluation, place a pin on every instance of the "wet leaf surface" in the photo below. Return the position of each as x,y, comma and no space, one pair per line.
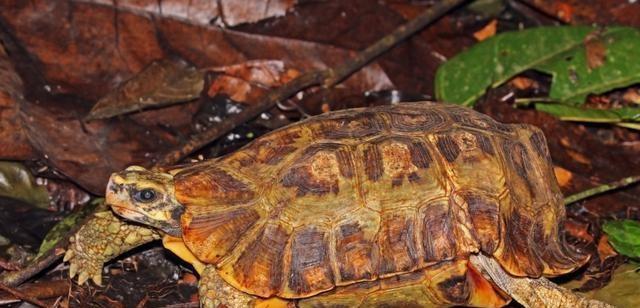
162,83
624,235
17,182
13,140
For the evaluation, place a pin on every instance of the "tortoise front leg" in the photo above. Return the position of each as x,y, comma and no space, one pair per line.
102,238
531,292
215,292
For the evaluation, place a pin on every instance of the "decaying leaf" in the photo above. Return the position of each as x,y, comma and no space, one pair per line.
13,141
248,81
595,49
17,182
204,12
162,83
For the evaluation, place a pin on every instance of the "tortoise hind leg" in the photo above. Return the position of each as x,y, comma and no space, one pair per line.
531,292
215,292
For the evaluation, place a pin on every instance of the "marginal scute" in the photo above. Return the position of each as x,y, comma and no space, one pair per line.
211,233
399,252
484,214
356,252
260,266
211,185
438,238
310,270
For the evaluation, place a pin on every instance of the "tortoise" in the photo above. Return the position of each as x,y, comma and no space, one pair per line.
414,204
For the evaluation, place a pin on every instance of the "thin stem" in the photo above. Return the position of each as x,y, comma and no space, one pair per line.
602,189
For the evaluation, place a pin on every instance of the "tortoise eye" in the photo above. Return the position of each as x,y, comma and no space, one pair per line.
145,195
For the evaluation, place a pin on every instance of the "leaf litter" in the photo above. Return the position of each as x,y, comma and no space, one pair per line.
89,56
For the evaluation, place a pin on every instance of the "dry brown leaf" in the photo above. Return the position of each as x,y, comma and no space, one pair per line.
563,176
487,31
13,141
205,12
162,83
247,82
595,49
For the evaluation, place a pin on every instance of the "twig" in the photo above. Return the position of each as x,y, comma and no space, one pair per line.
602,189
327,78
23,296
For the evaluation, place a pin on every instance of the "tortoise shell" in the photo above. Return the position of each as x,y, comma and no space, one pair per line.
366,194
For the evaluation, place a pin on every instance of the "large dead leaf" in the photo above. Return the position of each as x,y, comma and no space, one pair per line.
205,12
99,47
88,49
13,141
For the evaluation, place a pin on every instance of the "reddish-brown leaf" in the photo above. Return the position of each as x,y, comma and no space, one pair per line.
13,141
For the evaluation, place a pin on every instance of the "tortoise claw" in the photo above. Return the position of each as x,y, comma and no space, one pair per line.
68,255
97,279
82,278
73,270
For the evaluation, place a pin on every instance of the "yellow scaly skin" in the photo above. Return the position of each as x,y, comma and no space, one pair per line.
101,239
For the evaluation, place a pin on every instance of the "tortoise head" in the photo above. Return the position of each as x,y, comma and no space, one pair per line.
147,197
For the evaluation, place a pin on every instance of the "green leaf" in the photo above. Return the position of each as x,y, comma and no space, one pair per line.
60,232
573,79
626,117
624,236
17,182
559,51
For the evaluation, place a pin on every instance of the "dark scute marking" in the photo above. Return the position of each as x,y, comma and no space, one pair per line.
518,158
372,162
305,182
309,253
485,144
485,218
345,162
397,181
414,177
214,183
519,249
223,228
358,125
424,121
275,154
438,238
539,143
260,265
448,148
399,252
420,156
355,256
455,289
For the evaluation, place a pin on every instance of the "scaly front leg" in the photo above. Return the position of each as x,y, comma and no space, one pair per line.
101,239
